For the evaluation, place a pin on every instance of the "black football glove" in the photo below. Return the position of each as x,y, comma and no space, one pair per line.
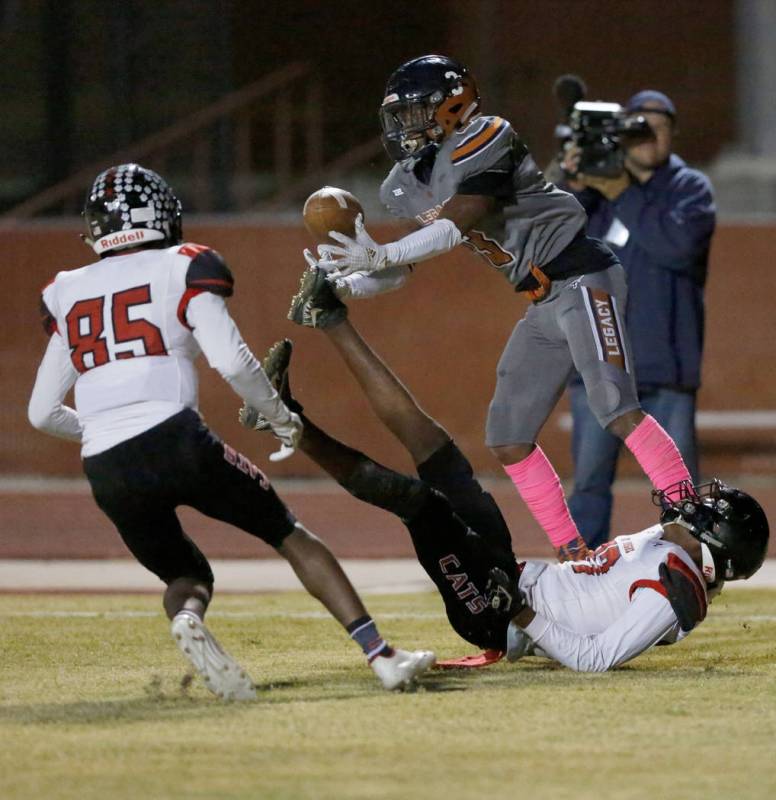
503,594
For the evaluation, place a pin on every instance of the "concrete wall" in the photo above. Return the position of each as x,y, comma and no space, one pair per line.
443,336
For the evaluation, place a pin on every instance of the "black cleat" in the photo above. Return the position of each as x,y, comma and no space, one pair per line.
276,365
315,305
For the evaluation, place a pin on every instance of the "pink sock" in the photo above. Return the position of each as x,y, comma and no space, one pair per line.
657,455
539,486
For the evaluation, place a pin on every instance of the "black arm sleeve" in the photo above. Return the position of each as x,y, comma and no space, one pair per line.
208,271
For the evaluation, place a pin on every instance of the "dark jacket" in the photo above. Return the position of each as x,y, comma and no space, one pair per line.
670,220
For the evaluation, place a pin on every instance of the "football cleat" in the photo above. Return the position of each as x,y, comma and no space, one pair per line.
221,673
483,659
275,365
399,670
315,305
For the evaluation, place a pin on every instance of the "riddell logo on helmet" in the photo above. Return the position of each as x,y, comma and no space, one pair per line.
122,238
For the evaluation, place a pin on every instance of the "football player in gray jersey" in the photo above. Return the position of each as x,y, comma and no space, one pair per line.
465,178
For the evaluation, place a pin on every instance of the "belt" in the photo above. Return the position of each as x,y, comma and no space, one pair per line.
543,284
582,256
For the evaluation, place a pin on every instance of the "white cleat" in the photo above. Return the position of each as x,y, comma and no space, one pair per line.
221,673
400,670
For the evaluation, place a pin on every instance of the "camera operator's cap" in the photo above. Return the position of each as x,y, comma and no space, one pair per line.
658,102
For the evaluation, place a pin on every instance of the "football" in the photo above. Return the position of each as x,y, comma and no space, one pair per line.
330,209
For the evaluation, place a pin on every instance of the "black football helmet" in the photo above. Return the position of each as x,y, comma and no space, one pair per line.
728,521
129,206
425,100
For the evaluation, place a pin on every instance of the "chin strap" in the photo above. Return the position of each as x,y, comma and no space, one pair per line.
709,569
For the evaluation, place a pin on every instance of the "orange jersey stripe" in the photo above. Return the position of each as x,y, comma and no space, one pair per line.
480,140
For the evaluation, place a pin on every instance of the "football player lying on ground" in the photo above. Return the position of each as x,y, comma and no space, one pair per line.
590,615
126,330
465,178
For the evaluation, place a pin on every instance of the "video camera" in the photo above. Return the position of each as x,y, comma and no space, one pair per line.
600,130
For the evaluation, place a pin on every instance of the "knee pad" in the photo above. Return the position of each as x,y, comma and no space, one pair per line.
604,399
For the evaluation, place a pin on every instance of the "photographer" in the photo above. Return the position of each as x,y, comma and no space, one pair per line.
658,216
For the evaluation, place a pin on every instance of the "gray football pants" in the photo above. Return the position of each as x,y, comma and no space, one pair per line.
579,325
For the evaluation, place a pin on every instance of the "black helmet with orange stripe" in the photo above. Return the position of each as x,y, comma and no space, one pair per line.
425,101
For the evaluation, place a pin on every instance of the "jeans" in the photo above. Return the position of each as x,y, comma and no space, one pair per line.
595,452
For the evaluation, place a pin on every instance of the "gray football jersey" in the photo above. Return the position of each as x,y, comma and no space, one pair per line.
532,221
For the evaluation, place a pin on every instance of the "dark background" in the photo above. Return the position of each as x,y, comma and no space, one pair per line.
83,78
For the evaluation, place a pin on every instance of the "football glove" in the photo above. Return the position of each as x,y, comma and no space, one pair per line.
361,254
503,594
312,261
359,285
289,433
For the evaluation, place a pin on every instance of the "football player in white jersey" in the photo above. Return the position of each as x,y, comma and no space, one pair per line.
590,615
465,178
125,331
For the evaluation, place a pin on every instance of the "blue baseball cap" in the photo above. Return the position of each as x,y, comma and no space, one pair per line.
660,103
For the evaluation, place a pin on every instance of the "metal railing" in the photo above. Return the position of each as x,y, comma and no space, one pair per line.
272,108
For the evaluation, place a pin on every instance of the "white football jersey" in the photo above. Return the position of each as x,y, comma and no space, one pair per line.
597,613
126,330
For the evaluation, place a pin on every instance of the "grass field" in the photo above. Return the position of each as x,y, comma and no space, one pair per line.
93,705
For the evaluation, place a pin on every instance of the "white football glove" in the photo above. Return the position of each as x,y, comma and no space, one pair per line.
361,254
359,285
290,434
312,261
